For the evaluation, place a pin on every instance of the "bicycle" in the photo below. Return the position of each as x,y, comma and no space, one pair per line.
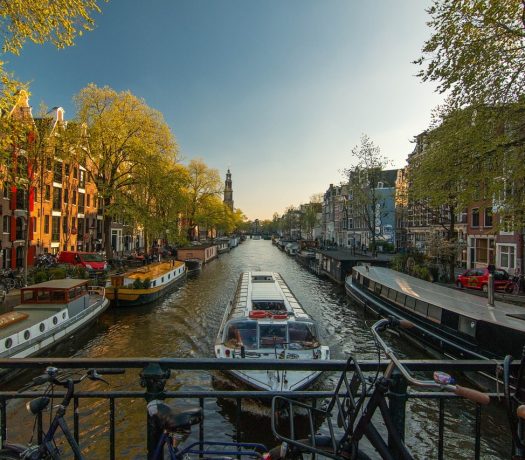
355,413
514,285
48,448
175,424
176,427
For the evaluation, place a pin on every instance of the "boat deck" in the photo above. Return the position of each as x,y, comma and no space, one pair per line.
457,301
36,315
153,271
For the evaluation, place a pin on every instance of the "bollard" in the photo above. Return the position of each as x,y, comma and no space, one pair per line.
153,378
397,397
491,290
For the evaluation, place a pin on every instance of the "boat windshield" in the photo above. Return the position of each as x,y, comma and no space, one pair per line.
302,335
272,335
241,333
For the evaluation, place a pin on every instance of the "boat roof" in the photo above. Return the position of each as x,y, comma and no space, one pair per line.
457,301
35,316
66,283
263,286
153,271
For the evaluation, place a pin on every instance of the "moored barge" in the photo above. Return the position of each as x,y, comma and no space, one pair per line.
48,313
459,324
146,284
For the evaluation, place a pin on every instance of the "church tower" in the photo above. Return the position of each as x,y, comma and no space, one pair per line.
228,191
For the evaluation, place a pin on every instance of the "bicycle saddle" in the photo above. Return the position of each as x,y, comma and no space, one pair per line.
171,419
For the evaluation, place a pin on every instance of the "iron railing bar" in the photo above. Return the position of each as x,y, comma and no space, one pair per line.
441,429
246,364
112,428
76,419
201,427
39,427
226,394
477,439
3,421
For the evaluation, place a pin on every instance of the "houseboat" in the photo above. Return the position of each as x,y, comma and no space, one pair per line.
234,241
193,266
48,313
223,245
205,252
145,284
459,324
265,321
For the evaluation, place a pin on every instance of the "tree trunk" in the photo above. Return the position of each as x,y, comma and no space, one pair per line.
108,220
452,240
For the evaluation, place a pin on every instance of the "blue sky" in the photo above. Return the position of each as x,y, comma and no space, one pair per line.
279,91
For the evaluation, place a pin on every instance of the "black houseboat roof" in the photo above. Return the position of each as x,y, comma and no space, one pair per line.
457,301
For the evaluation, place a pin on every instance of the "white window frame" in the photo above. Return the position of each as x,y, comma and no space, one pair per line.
509,267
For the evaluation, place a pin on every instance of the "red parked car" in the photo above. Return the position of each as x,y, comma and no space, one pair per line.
478,278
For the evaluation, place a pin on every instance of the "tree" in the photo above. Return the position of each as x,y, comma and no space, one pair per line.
363,179
124,137
204,183
477,50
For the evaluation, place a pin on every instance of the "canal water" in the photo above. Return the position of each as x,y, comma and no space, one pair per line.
185,324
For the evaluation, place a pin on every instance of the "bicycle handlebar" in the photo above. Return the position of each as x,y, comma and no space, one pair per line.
468,393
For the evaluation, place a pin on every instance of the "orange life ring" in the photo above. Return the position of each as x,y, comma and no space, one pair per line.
257,314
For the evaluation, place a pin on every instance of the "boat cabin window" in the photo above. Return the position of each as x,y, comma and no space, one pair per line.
272,334
467,326
262,278
302,335
43,296
268,305
29,296
239,333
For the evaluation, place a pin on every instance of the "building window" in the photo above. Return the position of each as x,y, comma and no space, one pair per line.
88,198
7,190
48,192
66,195
57,199
66,169
48,164
475,217
482,250
6,224
507,257
82,180
64,227
488,217
81,197
55,229
75,173
46,224
74,197
57,174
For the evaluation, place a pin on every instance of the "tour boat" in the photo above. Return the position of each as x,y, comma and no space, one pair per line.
265,321
145,284
451,321
49,312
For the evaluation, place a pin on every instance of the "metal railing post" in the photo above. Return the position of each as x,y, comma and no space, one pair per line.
397,397
153,378
490,292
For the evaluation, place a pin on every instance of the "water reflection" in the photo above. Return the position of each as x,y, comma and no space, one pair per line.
185,324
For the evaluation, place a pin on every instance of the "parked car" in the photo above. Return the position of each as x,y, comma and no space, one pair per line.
478,278
93,262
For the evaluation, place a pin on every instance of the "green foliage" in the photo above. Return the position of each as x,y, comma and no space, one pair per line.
147,283
137,284
57,273
476,50
40,276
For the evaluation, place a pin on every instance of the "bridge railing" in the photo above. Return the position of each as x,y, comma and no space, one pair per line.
153,377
